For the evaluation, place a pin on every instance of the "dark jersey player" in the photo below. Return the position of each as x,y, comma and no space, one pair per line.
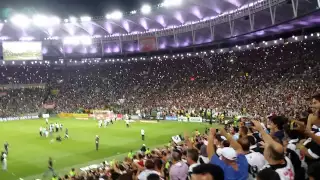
6,147
66,135
50,168
97,142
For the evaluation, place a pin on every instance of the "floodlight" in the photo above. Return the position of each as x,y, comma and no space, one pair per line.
66,20
26,38
108,16
85,40
169,3
20,20
40,20
70,40
85,18
116,15
133,12
55,20
73,19
146,9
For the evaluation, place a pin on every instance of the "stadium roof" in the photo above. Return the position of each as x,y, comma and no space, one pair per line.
190,11
100,36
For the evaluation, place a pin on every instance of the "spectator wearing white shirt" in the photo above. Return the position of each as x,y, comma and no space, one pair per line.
274,155
192,160
255,160
150,169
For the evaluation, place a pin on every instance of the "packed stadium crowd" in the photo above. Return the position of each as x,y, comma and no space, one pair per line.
278,80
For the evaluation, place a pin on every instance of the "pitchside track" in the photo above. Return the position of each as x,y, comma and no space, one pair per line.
29,153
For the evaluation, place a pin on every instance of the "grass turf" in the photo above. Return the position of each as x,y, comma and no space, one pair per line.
28,152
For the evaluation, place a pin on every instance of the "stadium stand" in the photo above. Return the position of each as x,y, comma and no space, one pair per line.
277,79
177,83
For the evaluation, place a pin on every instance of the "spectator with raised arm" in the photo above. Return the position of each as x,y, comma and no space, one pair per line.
274,155
232,161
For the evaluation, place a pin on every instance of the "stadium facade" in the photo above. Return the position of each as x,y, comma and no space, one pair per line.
194,24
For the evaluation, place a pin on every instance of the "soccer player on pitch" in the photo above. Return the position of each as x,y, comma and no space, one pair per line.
50,168
127,123
142,134
97,142
66,135
105,123
57,127
6,147
4,161
100,123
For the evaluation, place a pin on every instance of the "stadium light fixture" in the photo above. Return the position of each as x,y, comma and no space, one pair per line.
145,9
55,20
73,19
40,20
20,20
85,18
76,40
85,40
26,38
133,12
171,3
116,15
108,16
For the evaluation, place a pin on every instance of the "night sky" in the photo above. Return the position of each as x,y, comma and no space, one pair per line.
65,8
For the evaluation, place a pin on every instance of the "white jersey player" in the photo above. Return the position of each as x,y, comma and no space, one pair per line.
142,134
40,131
106,122
47,121
50,130
126,117
45,132
57,127
4,161
100,123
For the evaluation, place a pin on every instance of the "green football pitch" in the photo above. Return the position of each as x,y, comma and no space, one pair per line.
29,153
